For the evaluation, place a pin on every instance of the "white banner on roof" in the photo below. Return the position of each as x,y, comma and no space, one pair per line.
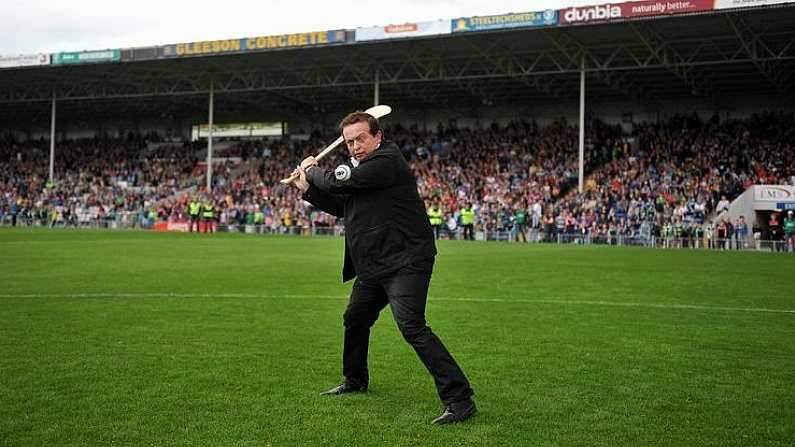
24,60
413,29
724,4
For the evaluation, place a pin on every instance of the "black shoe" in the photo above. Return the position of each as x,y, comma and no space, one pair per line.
457,412
344,388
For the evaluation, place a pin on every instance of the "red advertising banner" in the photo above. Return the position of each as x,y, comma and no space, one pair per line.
182,226
656,8
646,8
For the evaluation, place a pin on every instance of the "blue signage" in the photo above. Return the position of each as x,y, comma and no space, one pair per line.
501,21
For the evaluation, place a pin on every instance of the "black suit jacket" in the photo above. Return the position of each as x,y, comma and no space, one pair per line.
386,226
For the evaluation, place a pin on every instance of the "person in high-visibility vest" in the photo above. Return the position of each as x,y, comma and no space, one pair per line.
468,222
152,217
208,216
194,209
435,216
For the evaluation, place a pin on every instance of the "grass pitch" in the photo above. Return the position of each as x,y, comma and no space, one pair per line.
132,338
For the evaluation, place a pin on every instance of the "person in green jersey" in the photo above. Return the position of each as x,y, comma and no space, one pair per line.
789,231
520,220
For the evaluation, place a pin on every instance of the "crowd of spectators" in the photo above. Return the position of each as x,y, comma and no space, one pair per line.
497,169
502,170
680,173
672,179
97,180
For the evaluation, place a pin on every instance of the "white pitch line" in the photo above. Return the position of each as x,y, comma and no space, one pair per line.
432,298
625,304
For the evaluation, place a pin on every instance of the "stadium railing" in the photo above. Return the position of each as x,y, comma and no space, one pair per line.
281,229
128,220
122,220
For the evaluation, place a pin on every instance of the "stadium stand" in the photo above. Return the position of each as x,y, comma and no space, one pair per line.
672,183
666,187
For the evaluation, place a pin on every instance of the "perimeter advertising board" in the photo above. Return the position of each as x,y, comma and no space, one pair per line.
24,60
239,130
247,44
412,29
86,57
647,8
138,54
502,21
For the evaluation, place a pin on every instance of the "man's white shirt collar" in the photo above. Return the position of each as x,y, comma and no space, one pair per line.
355,162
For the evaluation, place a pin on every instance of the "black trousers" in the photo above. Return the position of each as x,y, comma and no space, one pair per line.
406,293
468,235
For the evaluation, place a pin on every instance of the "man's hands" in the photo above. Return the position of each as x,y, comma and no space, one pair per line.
308,163
300,183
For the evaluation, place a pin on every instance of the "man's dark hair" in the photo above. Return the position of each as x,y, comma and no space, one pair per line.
358,117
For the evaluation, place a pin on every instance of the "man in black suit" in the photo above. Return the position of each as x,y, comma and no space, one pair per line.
390,249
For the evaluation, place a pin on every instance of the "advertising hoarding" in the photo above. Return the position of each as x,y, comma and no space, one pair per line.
502,21
86,57
259,43
24,60
647,8
412,29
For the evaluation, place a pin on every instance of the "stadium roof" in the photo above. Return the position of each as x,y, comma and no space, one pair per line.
710,55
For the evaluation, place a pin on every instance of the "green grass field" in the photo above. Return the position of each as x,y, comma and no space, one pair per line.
132,338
